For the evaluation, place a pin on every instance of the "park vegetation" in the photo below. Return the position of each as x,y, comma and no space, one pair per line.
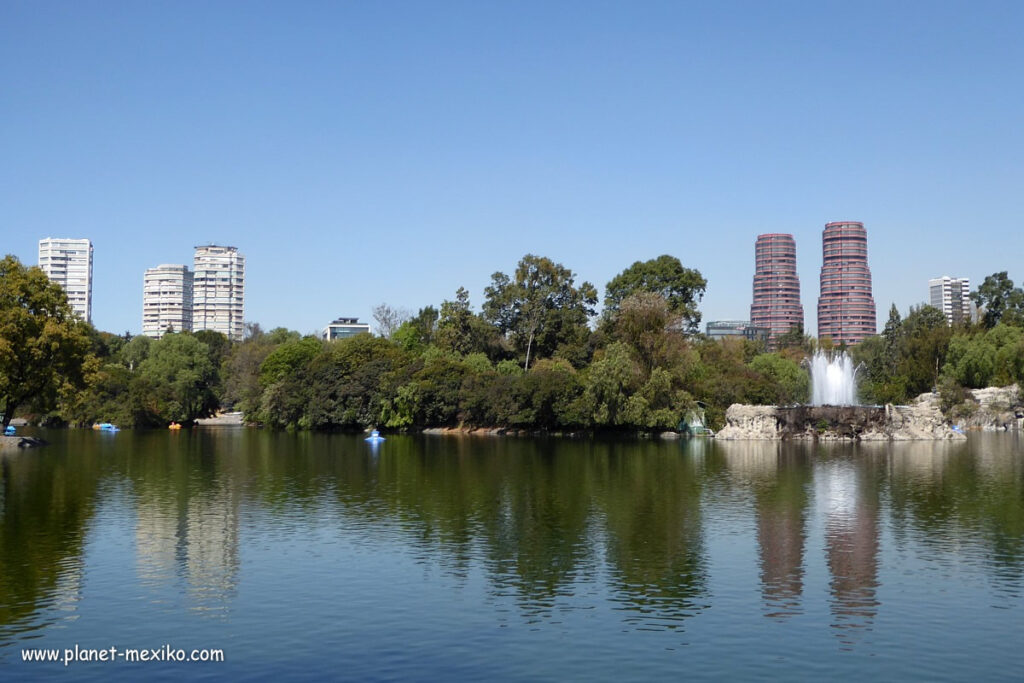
535,356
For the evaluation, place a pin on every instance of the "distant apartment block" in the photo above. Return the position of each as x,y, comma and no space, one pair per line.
166,300
951,296
343,328
737,329
776,305
846,307
68,262
218,291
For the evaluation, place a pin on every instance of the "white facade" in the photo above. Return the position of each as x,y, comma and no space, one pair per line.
68,262
218,291
166,300
950,295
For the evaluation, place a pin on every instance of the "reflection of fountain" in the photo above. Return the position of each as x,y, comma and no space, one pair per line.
851,546
833,380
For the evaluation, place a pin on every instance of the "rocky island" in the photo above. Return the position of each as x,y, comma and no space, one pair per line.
996,409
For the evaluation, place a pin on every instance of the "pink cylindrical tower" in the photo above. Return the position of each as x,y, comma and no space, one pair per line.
776,286
846,308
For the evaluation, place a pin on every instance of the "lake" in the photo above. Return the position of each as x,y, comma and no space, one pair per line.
312,557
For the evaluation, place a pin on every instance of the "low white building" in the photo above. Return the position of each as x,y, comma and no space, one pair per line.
343,328
166,300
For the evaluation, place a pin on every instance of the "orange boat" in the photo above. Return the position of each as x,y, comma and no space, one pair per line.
174,425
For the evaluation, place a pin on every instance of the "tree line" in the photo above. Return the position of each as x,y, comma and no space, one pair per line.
536,356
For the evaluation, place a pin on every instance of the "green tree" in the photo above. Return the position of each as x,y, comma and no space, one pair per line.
925,342
682,288
417,333
42,343
541,306
785,382
608,385
893,336
998,297
135,351
971,360
645,322
455,324
287,358
347,383
182,377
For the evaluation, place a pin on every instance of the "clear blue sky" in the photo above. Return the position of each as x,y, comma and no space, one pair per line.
368,152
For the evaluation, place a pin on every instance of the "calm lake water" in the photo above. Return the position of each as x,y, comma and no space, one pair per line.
312,557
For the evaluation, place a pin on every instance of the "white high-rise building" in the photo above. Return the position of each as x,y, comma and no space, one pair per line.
68,262
166,300
950,295
218,291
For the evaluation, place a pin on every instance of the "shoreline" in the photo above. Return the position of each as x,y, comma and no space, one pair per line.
560,433
20,442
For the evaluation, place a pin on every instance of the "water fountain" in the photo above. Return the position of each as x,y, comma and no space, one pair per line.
834,412
833,379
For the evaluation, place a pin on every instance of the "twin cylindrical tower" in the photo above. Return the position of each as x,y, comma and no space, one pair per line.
846,307
776,303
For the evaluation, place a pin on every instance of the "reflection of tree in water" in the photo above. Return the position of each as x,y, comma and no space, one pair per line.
516,503
45,506
971,492
651,502
850,496
537,514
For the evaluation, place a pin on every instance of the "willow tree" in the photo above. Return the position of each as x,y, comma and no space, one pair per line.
43,344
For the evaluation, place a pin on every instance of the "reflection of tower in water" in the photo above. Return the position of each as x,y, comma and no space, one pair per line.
851,546
779,477
197,539
781,512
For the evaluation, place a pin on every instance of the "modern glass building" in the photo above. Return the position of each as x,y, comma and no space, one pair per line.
68,262
776,304
736,329
218,294
343,328
846,307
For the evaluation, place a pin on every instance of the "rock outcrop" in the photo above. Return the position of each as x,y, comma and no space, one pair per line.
995,409
920,421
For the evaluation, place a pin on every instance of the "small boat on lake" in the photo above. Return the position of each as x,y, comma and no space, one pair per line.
174,425
106,427
375,437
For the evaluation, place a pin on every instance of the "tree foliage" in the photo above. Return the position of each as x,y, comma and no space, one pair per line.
681,288
540,307
43,345
528,361
999,299
182,377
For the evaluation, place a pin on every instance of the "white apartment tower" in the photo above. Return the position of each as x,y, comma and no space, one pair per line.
166,300
68,262
950,295
218,291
